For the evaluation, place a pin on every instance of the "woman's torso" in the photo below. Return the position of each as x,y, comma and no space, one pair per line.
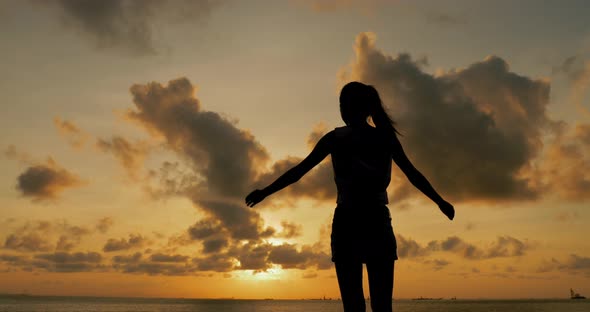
361,158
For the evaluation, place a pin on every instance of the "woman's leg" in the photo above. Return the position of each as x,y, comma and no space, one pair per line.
380,274
350,280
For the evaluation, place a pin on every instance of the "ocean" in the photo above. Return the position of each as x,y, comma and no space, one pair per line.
91,304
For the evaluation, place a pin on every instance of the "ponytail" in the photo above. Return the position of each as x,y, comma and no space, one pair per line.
380,117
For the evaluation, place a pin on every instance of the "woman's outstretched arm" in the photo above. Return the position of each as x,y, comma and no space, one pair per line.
319,152
418,180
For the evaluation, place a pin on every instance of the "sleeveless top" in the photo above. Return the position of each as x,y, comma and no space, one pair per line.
361,158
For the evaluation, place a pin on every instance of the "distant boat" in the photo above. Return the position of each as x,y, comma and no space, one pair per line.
426,298
575,295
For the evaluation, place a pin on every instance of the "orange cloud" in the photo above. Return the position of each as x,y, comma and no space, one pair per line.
565,166
130,155
75,136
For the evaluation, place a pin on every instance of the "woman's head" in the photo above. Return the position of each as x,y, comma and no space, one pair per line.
358,101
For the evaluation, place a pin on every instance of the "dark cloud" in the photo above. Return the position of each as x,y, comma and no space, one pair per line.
569,67
133,258
224,158
75,136
504,246
160,257
36,236
289,257
572,264
473,131
104,224
68,262
214,244
134,241
157,264
27,242
204,229
252,256
65,257
46,181
290,229
156,268
130,155
409,248
171,180
215,262
128,25
437,264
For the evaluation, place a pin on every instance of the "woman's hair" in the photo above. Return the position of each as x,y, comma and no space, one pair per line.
359,101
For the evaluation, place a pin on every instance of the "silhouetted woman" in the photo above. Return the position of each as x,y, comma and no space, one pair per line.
361,228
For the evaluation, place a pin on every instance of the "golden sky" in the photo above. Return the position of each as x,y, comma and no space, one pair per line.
132,131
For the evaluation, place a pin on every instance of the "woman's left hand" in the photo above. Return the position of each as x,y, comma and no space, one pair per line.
255,197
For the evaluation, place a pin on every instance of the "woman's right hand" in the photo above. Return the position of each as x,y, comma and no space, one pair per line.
255,197
447,209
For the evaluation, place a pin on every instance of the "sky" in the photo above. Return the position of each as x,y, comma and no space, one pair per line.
133,130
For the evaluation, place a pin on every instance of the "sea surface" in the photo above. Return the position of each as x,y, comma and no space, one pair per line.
70,304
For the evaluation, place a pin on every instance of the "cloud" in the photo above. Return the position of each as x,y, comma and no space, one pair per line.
573,264
133,258
409,248
318,131
156,268
71,237
215,262
159,257
504,246
223,158
437,264
27,242
127,25
34,236
566,163
130,155
473,131
103,225
12,152
46,181
68,262
204,229
576,69
157,264
75,136
134,241
214,244
171,179
290,229
289,257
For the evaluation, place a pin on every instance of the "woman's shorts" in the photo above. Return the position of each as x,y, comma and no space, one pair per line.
362,232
